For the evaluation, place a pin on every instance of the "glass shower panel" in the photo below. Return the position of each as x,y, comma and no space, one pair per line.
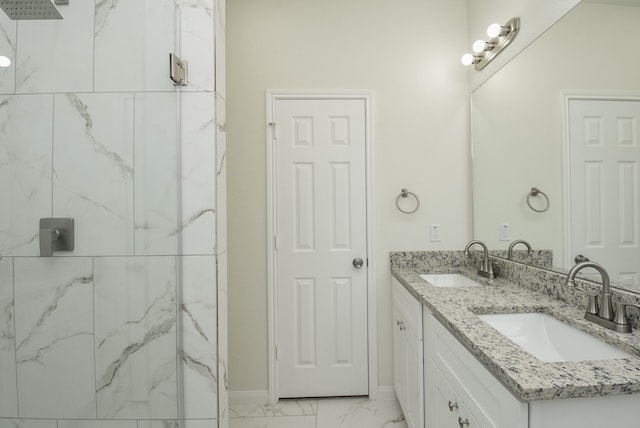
89,130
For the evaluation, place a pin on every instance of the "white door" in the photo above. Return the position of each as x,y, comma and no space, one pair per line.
321,228
605,185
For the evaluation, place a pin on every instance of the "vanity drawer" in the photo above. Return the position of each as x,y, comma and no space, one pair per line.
487,399
408,306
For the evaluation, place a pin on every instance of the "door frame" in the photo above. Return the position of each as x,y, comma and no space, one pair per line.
272,97
567,97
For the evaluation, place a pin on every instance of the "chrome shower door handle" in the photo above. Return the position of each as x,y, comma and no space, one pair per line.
357,263
56,234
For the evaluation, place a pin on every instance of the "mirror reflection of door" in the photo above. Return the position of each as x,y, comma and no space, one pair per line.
604,162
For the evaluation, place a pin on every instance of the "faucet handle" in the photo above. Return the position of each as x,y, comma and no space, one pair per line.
621,312
592,306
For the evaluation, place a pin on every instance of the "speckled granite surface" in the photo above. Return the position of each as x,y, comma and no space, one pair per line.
539,258
527,377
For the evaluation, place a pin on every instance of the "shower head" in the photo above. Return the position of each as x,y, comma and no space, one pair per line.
30,9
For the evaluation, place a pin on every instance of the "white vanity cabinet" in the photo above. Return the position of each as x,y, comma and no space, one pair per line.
450,388
459,391
408,363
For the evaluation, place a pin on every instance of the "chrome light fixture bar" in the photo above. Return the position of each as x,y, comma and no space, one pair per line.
500,37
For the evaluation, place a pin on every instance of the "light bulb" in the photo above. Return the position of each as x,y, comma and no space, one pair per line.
479,46
494,30
468,59
4,61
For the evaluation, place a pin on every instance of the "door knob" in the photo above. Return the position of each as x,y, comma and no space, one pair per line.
358,263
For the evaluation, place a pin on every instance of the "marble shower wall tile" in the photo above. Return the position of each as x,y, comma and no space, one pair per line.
93,170
54,337
8,35
196,40
223,342
221,256
27,423
135,329
8,386
221,176
133,39
25,170
198,172
156,173
220,48
97,424
199,359
57,55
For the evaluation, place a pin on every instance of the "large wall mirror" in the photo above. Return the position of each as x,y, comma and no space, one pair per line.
521,139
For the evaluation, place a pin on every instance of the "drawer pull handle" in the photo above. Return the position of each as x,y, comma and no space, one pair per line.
463,422
452,406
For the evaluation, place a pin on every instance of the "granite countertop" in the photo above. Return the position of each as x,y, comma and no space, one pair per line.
528,378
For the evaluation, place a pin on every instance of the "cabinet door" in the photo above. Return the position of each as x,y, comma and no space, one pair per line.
491,403
442,404
400,353
445,408
408,371
415,386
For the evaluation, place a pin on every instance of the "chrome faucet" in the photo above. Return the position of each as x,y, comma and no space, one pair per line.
516,242
601,310
486,268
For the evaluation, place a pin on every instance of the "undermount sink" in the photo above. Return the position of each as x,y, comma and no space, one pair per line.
449,280
551,340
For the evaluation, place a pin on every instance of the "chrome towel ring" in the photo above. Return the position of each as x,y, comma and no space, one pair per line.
404,193
535,192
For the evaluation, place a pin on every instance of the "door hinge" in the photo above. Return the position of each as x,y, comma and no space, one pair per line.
276,352
178,70
273,128
275,242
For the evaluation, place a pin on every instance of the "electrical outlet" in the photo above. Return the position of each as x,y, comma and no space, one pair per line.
435,233
504,231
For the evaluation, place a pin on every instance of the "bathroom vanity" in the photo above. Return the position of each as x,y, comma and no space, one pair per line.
467,374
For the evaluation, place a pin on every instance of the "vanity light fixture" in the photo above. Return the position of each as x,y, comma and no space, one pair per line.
468,59
486,51
5,61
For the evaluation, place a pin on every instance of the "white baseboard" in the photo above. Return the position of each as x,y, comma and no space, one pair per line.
385,393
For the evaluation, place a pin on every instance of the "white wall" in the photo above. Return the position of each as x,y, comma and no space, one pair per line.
409,55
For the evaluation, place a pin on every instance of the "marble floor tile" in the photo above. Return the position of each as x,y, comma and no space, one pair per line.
274,422
321,413
282,408
359,412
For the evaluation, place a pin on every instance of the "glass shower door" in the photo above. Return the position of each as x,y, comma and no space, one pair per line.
89,130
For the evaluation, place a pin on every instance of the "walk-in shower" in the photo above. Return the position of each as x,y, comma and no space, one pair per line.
121,326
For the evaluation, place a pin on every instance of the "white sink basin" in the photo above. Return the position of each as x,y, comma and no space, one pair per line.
449,280
551,340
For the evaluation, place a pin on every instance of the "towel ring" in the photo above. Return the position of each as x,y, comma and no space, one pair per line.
535,192
403,194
